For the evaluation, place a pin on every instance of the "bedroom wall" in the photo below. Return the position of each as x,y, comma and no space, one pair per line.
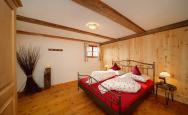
169,49
65,65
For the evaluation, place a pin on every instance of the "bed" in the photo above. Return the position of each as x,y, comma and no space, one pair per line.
119,103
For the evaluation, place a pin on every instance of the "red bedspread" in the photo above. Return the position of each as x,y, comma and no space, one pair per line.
127,99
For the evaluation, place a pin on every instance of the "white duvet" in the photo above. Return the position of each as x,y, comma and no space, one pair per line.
140,78
118,72
122,83
101,75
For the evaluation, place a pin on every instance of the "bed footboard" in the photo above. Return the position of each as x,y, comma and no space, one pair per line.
114,99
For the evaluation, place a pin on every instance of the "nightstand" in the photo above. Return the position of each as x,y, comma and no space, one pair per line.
169,90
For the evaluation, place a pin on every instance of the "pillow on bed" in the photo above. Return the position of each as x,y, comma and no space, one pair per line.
140,78
115,67
101,75
121,83
136,71
118,72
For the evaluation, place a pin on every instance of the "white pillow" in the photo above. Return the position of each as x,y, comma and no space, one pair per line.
101,75
118,72
121,83
141,78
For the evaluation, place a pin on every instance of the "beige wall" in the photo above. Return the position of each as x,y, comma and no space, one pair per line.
169,49
65,65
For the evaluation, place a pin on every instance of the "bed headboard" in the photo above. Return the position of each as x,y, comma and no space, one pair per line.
146,68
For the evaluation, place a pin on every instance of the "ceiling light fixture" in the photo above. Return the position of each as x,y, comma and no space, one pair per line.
92,25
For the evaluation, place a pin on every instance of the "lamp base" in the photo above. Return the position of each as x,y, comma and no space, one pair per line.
164,79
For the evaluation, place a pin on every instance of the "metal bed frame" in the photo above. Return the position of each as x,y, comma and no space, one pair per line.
115,98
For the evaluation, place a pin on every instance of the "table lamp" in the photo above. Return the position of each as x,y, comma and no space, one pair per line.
163,75
106,67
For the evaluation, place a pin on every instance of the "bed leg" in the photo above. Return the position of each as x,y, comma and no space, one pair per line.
78,80
119,105
78,86
153,90
78,89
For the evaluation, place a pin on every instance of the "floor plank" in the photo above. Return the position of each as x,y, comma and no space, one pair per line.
65,99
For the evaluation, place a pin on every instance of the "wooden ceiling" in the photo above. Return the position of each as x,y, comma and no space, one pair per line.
100,9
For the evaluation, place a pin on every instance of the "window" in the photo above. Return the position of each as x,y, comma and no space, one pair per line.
92,51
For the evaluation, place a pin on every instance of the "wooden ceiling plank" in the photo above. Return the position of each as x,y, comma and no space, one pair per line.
152,31
53,36
107,11
57,26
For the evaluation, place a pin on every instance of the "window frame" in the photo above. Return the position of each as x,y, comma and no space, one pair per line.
92,51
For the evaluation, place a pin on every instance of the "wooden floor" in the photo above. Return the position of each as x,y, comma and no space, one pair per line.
66,100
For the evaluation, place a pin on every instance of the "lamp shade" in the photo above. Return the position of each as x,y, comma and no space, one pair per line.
106,66
48,66
164,74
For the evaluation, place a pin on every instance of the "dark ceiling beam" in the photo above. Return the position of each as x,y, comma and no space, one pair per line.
13,4
53,36
107,11
152,31
57,26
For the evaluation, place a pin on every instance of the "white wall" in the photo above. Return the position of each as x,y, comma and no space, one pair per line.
65,65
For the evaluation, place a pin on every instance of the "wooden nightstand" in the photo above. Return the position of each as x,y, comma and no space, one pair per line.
169,90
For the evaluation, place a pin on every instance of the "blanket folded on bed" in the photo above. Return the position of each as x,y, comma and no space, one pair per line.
101,75
140,78
122,83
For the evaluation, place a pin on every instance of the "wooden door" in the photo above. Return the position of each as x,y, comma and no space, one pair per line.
7,58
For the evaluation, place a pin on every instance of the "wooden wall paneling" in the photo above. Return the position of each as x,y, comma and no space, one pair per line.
103,59
184,74
147,48
132,49
109,52
168,49
115,52
124,50
178,62
107,11
149,54
138,49
106,56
